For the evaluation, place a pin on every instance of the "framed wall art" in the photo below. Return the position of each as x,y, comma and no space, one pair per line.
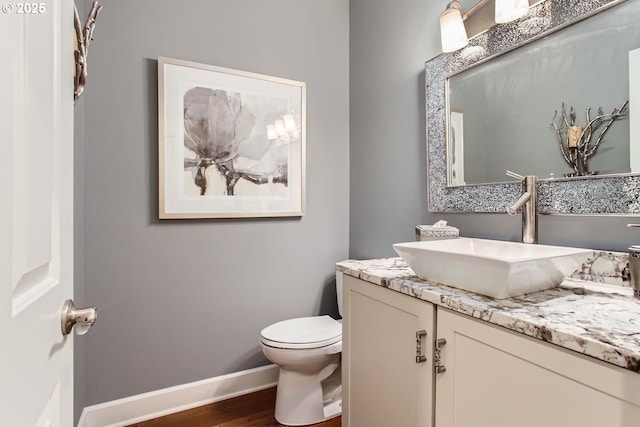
231,143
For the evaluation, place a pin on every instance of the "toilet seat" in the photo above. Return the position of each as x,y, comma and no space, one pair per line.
303,333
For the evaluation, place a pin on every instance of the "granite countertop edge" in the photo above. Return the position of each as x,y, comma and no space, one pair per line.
594,319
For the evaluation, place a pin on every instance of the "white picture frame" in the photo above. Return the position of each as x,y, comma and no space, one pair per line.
231,143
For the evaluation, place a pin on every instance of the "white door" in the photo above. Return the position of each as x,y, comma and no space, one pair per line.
36,212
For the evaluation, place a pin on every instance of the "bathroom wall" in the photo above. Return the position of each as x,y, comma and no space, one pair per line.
389,43
184,300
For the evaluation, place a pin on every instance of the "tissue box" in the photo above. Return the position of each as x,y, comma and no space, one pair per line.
429,232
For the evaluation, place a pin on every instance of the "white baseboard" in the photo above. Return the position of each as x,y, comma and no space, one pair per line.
129,410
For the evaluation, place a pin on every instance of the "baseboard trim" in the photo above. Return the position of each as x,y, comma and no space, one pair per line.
129,410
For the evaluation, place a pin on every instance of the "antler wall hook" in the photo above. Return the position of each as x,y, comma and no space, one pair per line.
84,35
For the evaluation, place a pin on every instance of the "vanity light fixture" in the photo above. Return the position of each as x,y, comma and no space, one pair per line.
510,10
452,31
455,33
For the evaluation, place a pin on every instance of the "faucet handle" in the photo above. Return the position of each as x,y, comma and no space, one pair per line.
633,225
515,175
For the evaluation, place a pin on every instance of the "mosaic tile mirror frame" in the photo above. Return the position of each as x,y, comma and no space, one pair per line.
606,194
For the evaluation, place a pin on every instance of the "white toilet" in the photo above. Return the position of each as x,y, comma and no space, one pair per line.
308,351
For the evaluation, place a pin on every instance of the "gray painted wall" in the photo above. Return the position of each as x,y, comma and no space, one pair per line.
389,43
181,301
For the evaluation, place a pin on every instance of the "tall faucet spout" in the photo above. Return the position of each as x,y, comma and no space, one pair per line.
528,204
513,209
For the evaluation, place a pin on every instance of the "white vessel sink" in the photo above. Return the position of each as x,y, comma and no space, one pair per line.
493,268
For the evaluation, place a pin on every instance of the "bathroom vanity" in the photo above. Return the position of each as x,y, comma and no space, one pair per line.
416,353
567,356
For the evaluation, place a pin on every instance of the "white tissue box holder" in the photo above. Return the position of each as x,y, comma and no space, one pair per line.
429,232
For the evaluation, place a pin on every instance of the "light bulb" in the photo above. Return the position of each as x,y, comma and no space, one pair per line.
452,31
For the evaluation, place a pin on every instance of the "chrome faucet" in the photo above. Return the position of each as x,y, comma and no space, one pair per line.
634,266
528,204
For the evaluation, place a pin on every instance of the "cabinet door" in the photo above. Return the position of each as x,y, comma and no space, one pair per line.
383,383
495,377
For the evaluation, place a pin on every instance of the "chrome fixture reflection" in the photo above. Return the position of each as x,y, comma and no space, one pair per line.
634,266
452,31
528,204
286,128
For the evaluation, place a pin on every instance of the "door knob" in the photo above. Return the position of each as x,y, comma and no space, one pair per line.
82,318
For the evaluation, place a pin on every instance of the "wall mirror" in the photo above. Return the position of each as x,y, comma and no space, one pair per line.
490,107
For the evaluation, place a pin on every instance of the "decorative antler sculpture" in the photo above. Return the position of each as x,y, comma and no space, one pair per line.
84,35
576,143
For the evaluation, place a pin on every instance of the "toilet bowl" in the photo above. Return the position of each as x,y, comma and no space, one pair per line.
308,352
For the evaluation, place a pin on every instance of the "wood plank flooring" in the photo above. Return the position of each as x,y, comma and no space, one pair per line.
251,410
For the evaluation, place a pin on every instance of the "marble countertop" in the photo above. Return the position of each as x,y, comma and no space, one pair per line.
596,319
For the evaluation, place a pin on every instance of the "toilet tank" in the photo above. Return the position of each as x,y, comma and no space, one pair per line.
339,291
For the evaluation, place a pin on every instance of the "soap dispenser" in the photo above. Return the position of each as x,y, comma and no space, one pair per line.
634,266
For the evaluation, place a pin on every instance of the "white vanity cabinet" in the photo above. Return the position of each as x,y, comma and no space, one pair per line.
496,377
385,382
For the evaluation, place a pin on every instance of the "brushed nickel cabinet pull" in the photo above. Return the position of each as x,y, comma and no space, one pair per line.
420,358
439,367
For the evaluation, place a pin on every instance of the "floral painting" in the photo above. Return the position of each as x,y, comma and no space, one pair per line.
241,147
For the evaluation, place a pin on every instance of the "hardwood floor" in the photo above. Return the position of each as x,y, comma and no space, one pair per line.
251,410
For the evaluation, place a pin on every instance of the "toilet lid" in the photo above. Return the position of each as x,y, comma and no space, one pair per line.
303,332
